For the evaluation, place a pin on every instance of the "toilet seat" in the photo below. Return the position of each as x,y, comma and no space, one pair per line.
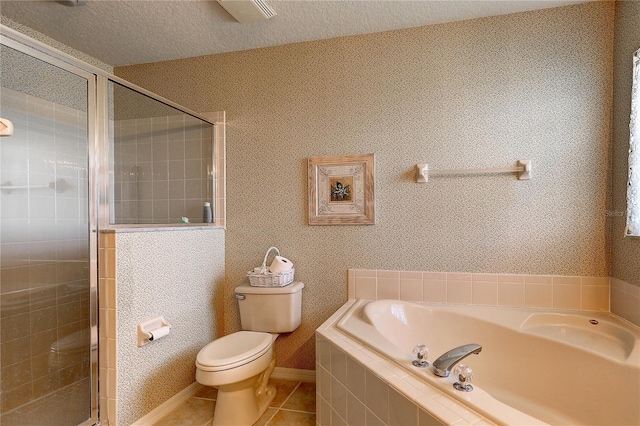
233,350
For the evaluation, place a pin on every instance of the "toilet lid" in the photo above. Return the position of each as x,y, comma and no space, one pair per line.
233,350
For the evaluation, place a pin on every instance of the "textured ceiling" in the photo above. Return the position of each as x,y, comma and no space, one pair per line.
125,32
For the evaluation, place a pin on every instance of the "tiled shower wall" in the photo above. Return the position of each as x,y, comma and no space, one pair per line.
163,169
44,278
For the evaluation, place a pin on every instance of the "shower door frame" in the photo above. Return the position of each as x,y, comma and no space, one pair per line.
42,52
98,173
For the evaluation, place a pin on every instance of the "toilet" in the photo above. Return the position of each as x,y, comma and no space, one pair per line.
240,364
73,349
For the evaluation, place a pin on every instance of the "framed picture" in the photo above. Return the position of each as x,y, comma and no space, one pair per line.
341,190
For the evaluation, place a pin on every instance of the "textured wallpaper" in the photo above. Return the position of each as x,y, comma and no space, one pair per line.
176,274
471,94
625,250
54,43
42,80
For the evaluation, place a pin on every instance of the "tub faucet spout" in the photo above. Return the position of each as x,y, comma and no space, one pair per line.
443,365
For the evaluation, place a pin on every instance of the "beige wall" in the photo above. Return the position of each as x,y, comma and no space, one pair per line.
179,275
625,250
480,93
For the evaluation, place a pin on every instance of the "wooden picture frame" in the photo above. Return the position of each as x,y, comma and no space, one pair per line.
341,190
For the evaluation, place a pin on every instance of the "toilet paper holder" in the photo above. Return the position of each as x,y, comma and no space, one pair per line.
146,330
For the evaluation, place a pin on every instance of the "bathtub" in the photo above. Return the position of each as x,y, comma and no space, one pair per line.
535,367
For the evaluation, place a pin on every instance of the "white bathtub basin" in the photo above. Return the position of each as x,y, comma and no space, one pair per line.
584,332
535,367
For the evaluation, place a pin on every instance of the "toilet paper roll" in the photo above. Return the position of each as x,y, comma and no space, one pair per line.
159,333
280,264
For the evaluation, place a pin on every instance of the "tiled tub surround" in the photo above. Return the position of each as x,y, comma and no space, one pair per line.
531,291
365,375
518,373
528,291
355,385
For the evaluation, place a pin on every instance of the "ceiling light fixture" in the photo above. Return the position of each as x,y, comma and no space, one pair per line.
245,11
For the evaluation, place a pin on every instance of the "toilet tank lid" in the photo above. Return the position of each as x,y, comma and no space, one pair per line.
294,287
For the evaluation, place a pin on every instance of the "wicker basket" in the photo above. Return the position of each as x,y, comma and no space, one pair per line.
270,279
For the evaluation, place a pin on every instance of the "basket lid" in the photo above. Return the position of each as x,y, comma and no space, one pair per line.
294,287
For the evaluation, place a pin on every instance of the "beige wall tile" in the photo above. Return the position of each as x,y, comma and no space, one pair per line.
366,288
434,276
434,291
459,292
459,276
510,278
538,279
484,293
599,281
389,288
575,281
538,295
595,298
566,296
410,275
391,275
511,294
365,273
411,289
484,277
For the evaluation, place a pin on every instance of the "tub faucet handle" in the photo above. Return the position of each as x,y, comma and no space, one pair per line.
464,375
420,354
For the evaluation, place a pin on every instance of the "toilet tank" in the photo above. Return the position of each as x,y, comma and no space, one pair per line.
270,309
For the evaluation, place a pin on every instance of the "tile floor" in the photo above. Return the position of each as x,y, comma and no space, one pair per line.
294,404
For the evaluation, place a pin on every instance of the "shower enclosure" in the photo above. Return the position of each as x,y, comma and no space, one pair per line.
87,151
48,335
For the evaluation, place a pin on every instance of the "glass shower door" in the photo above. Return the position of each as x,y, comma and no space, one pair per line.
48,339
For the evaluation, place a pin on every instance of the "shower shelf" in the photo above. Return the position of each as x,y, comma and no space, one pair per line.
57,186
522,168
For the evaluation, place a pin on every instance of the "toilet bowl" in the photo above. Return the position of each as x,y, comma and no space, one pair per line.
240,364
73,349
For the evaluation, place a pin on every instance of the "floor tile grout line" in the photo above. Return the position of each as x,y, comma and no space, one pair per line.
272,416
292,392
296,411
279,407
289,396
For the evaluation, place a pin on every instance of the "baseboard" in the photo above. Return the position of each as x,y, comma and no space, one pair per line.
169,405
294,374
